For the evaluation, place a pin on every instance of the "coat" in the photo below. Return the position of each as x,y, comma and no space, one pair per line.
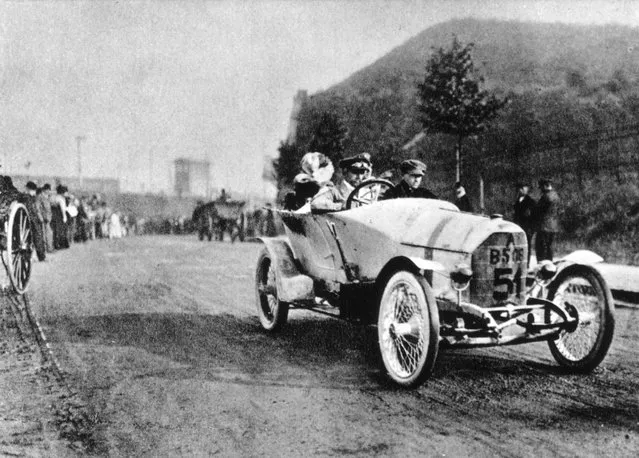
463,203
547,212
403,190
328,198
524,212
45,207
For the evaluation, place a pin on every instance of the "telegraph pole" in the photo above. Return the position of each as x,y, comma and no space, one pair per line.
79,139
150,168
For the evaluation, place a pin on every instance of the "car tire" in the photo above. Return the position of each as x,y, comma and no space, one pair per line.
408,328
272,312
583,291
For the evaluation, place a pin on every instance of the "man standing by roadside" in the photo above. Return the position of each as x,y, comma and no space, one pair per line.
461,199
44,200
547,220
37,222
524,208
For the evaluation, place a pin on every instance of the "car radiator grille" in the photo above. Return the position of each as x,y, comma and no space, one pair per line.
499,270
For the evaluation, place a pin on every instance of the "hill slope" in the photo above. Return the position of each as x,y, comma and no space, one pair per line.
514,56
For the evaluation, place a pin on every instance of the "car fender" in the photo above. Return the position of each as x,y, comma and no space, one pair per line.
291,284
584,257
421,266
425,265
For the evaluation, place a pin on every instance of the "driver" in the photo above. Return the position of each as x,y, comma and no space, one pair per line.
413,172
355,170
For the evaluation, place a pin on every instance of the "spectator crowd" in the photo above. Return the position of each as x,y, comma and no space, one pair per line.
60,218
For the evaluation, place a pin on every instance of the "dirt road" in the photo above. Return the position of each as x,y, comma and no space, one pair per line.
159,337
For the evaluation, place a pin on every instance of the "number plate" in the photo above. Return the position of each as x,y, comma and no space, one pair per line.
506,267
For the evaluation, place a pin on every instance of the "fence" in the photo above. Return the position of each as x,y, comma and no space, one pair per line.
572,162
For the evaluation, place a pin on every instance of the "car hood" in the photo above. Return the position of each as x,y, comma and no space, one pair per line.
428,223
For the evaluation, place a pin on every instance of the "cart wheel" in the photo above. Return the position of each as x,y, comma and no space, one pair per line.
19,247
408,328
272,312
584,293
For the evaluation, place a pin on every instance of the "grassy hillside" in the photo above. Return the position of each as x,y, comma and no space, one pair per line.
513,56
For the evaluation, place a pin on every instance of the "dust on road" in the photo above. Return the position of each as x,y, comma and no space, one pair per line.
159,336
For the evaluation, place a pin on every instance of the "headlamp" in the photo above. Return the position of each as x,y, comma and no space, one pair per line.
546,271
460,276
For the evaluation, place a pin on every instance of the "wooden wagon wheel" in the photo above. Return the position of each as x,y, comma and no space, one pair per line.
19,247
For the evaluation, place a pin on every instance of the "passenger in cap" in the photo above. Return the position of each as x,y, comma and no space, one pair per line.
320,168
355,170
413,172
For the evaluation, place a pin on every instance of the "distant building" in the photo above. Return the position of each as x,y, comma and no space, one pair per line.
90,185
192,178
298,103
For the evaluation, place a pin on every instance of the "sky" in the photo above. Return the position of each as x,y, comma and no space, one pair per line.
146,82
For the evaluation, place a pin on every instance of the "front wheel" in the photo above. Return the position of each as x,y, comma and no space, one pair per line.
585,295
272,312
408,329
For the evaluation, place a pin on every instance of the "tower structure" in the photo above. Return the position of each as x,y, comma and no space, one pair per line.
298,103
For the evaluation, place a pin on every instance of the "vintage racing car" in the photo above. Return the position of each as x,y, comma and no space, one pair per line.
429,275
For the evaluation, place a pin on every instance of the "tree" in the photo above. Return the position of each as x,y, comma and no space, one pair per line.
287,164
329,136
450,99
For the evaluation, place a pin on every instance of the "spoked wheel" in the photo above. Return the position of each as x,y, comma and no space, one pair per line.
367,192
408,329
583,292
19,247
272,312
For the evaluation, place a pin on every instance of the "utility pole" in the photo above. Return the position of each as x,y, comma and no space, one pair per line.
150,168
79,139
207,166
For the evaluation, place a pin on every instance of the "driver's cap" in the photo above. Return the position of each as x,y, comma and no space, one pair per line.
359,163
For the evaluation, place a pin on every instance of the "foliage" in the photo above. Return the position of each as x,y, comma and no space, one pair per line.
287,164
450,98
329,136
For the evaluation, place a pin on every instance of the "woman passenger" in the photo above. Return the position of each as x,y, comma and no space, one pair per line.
320,168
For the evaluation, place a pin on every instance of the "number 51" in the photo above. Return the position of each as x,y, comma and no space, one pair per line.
504,278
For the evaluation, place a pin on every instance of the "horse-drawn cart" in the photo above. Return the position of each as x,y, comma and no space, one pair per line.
221,216
231,219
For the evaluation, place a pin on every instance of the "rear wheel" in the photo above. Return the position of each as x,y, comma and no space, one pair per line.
408,329
583,292
272,312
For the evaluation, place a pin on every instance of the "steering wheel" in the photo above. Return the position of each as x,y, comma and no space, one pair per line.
367,192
